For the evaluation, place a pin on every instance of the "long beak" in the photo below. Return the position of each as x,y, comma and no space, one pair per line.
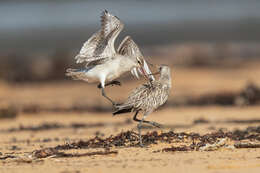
142,71
147,72
135,73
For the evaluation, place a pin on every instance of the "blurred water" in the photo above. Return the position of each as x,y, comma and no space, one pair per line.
26,15
36,23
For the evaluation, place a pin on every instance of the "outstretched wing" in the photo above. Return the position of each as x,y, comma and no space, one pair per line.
129,48
110,25
89,50
101,44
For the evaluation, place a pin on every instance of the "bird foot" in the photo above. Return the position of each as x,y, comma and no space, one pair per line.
115,104
141,144
110,83
99,86
115,82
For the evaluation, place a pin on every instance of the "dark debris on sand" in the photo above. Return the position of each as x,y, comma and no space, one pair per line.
9,112
7,157
130,139
52,152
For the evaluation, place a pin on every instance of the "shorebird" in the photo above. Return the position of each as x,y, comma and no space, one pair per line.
147,98
103,63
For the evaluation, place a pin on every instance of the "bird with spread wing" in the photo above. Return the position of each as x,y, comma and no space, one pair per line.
104,64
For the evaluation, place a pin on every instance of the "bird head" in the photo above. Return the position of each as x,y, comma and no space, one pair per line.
165,74
142,68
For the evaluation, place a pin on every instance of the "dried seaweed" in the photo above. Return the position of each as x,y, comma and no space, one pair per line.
181,148
247,145
52,152
130,139
188,141
7,156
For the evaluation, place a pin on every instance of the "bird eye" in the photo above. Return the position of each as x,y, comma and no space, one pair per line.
138,60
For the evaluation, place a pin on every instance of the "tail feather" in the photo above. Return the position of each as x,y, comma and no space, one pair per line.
76,74
120,109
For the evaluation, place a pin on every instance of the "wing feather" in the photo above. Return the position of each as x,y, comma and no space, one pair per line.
89,51
101,44
129,48
146,97
110,23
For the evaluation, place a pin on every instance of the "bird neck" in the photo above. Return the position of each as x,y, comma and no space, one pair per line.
126,63
165,80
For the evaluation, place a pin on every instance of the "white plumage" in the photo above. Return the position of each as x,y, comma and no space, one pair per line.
104,64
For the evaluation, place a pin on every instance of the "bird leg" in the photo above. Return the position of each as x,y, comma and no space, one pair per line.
104,95
114,82
148,122
139,127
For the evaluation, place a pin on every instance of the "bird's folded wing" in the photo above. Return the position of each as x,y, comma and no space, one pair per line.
101,44
138,96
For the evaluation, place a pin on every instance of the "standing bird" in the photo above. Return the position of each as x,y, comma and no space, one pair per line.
147,98
103,63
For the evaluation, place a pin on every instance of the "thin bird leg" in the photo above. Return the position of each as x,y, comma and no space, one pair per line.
114,82
139,127
104,95
148,122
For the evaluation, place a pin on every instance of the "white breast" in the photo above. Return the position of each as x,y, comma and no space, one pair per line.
110,70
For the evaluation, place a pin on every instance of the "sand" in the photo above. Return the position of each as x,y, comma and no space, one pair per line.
129,159
17,143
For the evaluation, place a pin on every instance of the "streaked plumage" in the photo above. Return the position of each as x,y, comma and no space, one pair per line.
103,63
148,97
